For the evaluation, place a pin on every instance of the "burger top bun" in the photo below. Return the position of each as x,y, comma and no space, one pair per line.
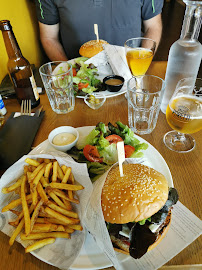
92,47
138,195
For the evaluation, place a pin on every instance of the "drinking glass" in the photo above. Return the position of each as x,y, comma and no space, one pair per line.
184,115
144,102
139,54
58,82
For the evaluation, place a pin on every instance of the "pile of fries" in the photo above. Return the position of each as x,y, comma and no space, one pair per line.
47,191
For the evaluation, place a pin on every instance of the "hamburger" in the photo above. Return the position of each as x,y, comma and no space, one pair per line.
137,208
91,48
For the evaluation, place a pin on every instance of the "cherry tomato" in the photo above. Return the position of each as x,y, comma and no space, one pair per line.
129,150
82,85
74,71
91,153
114,138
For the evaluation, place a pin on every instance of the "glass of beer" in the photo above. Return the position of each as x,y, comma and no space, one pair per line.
184,115
139,54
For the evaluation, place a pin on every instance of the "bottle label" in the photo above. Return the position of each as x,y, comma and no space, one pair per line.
33,83
1,104
182,114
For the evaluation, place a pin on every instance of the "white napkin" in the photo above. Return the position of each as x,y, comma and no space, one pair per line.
101,62
111,61
63,252
19,114
117,60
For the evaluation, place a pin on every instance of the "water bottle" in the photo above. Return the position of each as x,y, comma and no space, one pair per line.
3,110
185,54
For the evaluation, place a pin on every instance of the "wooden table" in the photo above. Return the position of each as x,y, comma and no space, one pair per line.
185,168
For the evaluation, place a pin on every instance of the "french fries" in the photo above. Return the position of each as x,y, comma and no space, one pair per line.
15,203
39,244
12,187
25,207
48,227
66,186
46,192
36,236
61,217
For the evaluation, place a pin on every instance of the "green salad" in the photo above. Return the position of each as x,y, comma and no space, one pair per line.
85,79
98,149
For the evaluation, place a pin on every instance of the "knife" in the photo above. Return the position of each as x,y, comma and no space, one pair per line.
38,111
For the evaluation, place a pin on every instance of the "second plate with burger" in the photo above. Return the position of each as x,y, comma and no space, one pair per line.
91,257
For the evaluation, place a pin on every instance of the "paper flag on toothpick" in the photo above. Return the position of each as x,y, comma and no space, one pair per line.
121,156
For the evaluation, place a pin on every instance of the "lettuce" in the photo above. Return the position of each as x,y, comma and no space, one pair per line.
102,143
80,59
89,89
101,126
76,80
86,74
109,154
91,139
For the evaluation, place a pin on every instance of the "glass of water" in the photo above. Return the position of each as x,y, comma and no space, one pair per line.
144,100
58,82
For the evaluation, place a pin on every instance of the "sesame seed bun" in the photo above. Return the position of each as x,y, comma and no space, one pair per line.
91,48
138,195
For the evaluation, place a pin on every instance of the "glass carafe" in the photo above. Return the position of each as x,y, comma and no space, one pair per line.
185,54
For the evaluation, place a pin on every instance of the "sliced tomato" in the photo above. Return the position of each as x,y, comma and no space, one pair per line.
82,85
91,153
129,150
114,138
74,71
126,242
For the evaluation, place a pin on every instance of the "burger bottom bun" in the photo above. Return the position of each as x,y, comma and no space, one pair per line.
124,248
162,235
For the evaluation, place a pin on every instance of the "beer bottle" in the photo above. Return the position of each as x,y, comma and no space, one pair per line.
19,68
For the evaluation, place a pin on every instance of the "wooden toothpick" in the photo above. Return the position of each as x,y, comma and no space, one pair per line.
121,156
96,31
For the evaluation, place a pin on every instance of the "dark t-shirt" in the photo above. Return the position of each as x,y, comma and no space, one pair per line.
118,20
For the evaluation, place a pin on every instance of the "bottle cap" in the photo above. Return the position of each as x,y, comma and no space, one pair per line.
5,25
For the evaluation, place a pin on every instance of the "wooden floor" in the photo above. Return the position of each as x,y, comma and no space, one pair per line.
172,18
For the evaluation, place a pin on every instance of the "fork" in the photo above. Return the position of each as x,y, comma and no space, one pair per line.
26,107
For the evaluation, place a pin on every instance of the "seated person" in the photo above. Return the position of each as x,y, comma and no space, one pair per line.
66,25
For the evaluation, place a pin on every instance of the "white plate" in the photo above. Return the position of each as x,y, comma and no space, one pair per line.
91,257
103,72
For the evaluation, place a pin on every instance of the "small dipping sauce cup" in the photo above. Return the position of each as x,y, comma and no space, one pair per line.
63,138
113,83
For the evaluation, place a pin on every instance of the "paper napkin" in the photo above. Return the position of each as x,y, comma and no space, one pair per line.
117,60
111,60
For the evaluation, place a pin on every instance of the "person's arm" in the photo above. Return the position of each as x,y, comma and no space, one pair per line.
153,29
50,41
